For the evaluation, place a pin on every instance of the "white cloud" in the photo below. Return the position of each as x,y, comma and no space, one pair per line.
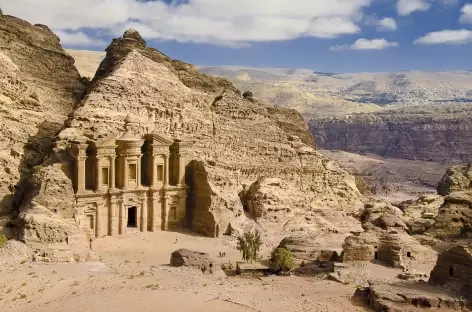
366,44
387,24
215,21
462,36
466,14
384,24
78,39
406,7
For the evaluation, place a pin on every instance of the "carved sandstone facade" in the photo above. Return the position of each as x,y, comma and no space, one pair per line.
129,182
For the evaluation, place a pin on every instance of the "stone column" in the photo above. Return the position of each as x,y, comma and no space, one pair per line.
181,181
166,170
182,204
138,216
122,217
81,173
164,216
138,173
154,171
98,173
98,223
125,172
112,230
156,213
112,172
144,215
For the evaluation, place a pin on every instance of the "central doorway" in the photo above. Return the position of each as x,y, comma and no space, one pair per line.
132,217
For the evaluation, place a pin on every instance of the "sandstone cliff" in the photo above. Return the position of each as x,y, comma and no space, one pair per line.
441,133
233,141
39,87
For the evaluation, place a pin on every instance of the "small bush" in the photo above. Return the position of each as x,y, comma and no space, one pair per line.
248,95
283,259
3,241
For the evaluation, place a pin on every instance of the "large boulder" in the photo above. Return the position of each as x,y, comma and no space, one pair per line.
189,258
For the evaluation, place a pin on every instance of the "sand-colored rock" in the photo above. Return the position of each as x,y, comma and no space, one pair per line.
457,178
408,297
39,87
305,249
385,238
454,219
189,258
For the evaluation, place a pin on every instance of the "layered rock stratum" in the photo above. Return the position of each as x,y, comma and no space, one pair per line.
39,87
233,141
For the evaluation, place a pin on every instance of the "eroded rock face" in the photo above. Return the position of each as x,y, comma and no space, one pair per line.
39,87
454,269
234,141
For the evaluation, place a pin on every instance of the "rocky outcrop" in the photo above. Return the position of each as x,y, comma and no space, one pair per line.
305,249
39,87
385,239
457,178
420,214
411,133
410,297
233,142
454,219
189,258
396,248
454,269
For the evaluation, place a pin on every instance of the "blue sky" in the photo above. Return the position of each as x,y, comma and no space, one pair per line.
323,35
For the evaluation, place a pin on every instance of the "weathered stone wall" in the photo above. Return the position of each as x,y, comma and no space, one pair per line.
39,87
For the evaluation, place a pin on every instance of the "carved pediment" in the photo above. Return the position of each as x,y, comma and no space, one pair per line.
158,140
104,143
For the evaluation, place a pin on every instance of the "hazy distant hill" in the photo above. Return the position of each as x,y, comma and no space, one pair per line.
318,94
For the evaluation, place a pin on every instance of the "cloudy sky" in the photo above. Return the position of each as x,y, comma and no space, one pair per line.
323,35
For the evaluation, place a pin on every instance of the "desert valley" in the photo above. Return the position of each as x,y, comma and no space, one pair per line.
130,181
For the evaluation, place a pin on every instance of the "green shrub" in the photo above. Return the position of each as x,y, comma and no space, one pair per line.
249,245
3,240
282,259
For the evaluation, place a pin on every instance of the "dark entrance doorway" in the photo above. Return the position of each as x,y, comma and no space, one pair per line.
132,217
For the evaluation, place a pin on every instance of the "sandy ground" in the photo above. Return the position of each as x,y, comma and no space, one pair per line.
131,273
